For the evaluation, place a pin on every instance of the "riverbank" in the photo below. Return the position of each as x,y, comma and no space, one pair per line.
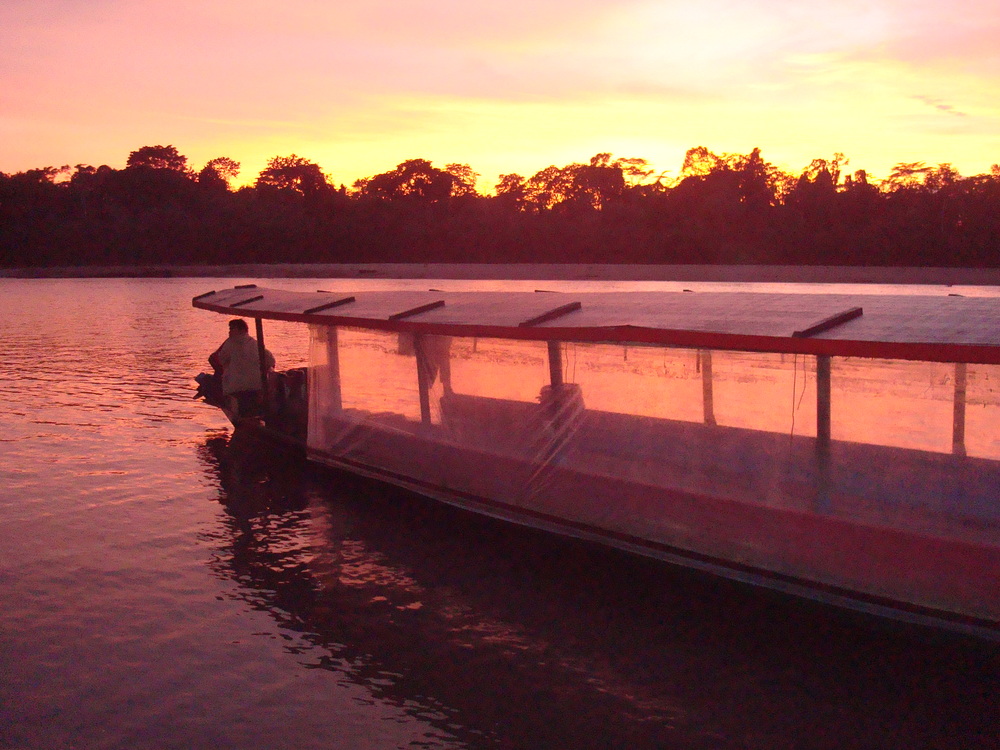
553,271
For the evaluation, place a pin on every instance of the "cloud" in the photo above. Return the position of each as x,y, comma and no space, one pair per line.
938,104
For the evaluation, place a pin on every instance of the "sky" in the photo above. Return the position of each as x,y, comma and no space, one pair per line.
511,86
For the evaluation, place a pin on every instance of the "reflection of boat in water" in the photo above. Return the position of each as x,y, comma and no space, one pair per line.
500,636
470,649
794,441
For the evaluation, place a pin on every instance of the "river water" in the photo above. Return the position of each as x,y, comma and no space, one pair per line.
163,587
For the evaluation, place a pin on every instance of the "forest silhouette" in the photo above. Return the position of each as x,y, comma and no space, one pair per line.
720,209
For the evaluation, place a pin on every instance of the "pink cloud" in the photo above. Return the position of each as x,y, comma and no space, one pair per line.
940,105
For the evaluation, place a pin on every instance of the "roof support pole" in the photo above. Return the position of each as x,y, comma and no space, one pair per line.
823,401
707,399
560,402
958,411
333,367
265,394
823,431
423,378
555,364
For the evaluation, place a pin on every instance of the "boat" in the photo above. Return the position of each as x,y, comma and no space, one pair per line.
840,447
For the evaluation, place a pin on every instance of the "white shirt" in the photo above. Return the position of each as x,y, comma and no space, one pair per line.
241,363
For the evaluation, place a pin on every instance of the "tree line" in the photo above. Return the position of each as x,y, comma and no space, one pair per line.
719,209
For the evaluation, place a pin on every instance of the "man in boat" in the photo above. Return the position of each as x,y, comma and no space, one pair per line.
237,364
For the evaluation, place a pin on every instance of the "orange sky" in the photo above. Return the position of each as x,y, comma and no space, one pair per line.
506,87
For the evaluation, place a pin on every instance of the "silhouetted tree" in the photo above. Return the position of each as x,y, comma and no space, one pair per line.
721,208
415,179
510,191
597,184
548,188
294,174
905,175
157,157
463,182
218,172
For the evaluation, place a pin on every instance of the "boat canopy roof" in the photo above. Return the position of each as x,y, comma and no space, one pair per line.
919,327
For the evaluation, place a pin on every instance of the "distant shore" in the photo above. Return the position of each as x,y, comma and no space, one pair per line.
540,271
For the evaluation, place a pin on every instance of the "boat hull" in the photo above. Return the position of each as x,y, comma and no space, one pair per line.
909,562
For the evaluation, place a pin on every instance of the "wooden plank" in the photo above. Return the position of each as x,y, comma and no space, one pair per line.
493,309
556,312
329,305
370,309
247,300
831,322
417,310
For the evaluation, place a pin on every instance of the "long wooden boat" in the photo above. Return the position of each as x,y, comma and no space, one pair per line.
840,447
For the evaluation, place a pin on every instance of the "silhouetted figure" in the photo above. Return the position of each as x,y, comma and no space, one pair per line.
237,365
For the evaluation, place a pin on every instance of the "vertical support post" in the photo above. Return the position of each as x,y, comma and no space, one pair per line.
958,412
823,401
555,364
333,367
554,401
442,358
707,397
823,431
423,378
265,391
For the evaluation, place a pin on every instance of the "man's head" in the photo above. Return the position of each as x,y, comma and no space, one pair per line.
238,326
